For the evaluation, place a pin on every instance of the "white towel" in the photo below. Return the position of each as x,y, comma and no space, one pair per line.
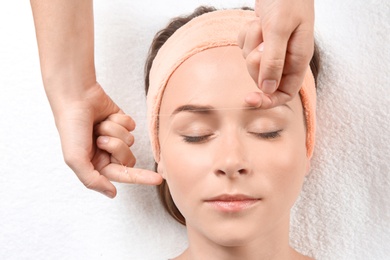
344,211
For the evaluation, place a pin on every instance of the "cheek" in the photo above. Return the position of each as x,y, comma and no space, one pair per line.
186,171
283,168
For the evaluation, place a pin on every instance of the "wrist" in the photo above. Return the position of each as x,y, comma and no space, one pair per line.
88,100
64,92
67,82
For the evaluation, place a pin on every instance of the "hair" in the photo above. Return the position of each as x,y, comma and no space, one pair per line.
160,38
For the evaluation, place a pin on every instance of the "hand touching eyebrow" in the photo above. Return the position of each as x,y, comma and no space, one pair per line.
200,109
278,47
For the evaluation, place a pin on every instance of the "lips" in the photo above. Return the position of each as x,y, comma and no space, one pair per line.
232,203
233,197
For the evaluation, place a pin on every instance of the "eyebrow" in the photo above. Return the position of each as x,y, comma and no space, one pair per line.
205,110
282,105
198,109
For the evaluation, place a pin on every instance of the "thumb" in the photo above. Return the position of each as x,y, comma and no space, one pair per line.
272,61
75,127
81,164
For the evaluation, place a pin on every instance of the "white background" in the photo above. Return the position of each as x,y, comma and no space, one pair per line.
46,213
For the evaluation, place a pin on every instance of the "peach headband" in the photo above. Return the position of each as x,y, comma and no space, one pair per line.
210,30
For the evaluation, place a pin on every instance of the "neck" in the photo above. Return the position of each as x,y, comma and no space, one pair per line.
273,246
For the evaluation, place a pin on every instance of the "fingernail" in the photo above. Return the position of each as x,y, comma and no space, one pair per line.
268,86
103,139
261,47
109,194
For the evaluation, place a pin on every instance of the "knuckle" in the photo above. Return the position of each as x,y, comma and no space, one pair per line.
252,61
117,145
90,184
132,161
113,117
131,123
274,64
104,127
301,54
271,23
130,140
125,121
71,159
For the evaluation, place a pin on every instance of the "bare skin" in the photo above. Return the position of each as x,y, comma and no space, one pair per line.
65,38
226,148
278,47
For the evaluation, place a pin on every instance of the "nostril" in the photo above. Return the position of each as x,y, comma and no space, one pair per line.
232,173
220,172
242,171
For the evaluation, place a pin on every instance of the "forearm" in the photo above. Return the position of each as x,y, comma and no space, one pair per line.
65,35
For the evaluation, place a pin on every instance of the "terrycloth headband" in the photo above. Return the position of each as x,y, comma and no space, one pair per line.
210,30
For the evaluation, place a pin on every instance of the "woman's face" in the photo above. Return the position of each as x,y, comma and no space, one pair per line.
234,172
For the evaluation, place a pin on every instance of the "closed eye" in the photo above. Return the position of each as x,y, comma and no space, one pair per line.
268,135
195,139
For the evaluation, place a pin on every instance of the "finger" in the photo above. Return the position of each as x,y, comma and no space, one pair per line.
272,100
298,56
76,150
119,173
253,37
254,99
113,129
288,89
241,36
118,150
124,120
91,178
258,99
253,63
273,58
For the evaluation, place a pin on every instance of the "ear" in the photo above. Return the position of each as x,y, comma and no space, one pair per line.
161,168
307,167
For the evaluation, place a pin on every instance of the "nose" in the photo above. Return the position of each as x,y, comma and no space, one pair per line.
230,159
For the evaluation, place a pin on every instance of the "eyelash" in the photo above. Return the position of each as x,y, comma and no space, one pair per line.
269,135
202,138
195,139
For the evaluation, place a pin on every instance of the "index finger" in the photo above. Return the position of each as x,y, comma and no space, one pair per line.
257,99
273,59
123,174
124,120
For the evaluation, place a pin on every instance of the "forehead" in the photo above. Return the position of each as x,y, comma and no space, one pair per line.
216,76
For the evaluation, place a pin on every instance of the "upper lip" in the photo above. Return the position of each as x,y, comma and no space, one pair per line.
232,197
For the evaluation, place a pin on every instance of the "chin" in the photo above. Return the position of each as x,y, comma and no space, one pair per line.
231,238
233,241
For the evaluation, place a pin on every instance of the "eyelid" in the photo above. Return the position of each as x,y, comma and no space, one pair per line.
194,128
196,139
268,135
